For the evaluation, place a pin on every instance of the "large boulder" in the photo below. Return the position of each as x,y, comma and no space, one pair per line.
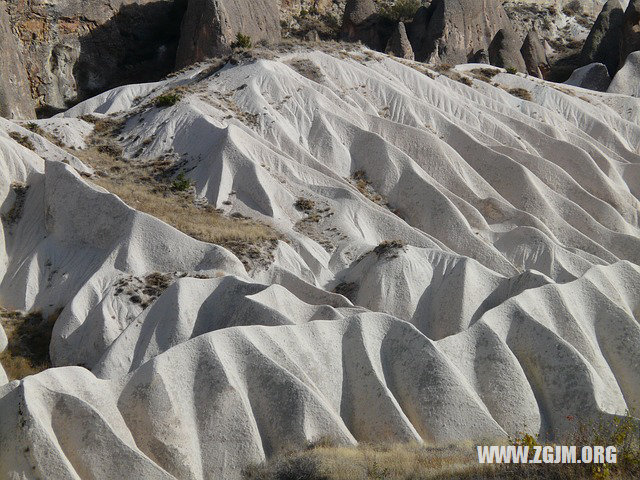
535,58
399,44
630,31
15,98
452,31
627,80
603,43
73,49
361,23
210,27
504,51
357,12
594,76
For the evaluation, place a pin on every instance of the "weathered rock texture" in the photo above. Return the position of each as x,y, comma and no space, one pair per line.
15,101
74,49
534,55
209,27
399,44
603,42
452,31
630,31
594,77
504,51
627,80
362,23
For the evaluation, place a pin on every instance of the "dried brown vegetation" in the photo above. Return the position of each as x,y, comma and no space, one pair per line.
522,93
148,186
29,336
22,140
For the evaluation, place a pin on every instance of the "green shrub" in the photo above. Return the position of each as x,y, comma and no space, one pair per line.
242,41
167,99
181,183
401,10
511,70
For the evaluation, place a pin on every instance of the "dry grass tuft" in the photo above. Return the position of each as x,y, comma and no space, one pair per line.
361,182
388,462
522,93
327,461
147,186
389,248
22,140
13,215
484,74
29,336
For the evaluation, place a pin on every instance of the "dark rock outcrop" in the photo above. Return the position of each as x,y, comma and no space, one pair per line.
399,44
630,31
15,98
361,23
593,77
358,12
452,31
534,55
603,43
481,56
210,27
504,51
73,49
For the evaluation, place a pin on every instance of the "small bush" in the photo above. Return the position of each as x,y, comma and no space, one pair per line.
14,214
389,248
401,10
35,128
29,336
522,93
304,204
242,41
22,140
181,183
511,70
485,74
110,149
168,99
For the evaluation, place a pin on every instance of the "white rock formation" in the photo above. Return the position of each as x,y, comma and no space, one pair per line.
627,80
506,297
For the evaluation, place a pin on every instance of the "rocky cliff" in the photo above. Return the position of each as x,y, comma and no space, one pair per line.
73,49
58,53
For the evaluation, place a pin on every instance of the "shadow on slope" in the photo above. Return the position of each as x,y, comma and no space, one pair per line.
137,45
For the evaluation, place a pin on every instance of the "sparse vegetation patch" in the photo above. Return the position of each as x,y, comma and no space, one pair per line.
305,204
522,93
242,41
29,336
15,212
389,248
167,99
22,140
181,183
150,186
400,10
484,74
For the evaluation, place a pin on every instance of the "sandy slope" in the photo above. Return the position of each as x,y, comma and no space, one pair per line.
517,268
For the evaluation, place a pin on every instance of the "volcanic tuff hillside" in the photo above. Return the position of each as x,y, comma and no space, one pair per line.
443,256
59,53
